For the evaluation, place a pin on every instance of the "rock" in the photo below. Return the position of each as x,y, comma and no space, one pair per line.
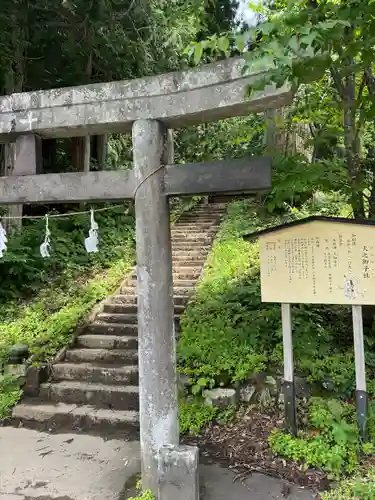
261,385
246,393
18,353
272,385
303,388
220,397
182,382
15,370
35,376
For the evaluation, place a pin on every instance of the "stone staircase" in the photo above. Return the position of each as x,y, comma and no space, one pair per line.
95,387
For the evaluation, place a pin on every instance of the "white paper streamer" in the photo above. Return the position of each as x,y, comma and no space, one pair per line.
3,240
45,247
92,241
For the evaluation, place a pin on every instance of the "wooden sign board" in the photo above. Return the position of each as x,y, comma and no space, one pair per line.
319,260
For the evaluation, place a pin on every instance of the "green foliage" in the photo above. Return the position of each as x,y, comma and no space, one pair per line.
143,494
295,180
43,301
247,333
355,488
10,393
23,271
194,415
231,138
333,444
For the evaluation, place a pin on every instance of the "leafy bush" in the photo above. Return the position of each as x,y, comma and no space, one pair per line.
295,180
10,393
142,494
228,334
24,272
194,415
332,443
360,488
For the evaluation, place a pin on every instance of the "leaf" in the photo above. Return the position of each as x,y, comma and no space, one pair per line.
198,53
294,44
223,44
196,389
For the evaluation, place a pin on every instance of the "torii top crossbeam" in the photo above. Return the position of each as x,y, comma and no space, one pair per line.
211,92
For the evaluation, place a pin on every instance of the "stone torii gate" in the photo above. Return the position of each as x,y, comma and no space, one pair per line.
150,107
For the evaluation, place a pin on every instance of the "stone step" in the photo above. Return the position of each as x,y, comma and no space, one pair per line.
62,417
115,397
198,228
190,231
190,246
189,240
96,373
196,221
179,300
205,211
97,341
189,255
123,308
117,329
124,319
177,292
124,356
181,261
192,274
116,318
186,284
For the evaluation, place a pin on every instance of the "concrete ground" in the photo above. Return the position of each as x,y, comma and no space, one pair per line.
219,484
39,466
35,465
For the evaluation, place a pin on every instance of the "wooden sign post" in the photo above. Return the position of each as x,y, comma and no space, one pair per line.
360,371
289,387
320,260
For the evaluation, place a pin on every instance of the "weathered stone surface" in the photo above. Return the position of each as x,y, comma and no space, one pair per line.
263,389
157,354
35,376
178,473
246,393
182,382
211,92
246,175
220,397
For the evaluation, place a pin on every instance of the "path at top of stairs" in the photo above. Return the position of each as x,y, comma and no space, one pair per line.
95,388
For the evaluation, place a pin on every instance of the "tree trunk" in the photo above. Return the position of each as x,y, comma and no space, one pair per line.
101,150
352,153
49,153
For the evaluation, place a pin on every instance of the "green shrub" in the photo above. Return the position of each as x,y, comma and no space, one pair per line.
360,488
228,334
194,415
331,443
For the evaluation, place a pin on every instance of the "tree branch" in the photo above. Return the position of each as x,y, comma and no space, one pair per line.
338,83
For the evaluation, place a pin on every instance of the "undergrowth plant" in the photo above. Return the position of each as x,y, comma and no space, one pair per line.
142,494
331,442
42,301
360,487
228,334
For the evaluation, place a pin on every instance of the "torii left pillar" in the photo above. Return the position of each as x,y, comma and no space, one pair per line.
24,157
152,148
